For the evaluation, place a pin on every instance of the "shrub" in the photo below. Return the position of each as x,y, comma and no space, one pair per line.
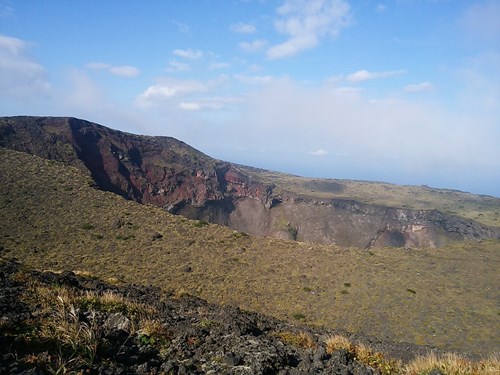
200,223
299,316
124,238
293,231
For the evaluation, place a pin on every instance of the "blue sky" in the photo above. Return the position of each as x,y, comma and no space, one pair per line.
403,91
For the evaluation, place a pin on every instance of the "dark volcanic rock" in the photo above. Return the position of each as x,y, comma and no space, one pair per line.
196,337
170,174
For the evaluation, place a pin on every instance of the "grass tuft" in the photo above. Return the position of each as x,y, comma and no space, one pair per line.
452,364
301,340
338,342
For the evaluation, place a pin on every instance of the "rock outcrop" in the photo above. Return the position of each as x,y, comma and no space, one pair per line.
168,173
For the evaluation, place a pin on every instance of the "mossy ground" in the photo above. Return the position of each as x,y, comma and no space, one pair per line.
51,218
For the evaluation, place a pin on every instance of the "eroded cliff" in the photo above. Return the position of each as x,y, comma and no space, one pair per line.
168,173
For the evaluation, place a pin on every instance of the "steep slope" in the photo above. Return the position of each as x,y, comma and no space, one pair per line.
172,175
51,218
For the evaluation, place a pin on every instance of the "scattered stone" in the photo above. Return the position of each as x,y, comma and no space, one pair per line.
156,236
117,321
193,336
118,223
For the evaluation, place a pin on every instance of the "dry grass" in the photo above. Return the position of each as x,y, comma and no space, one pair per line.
71,337
452,364
364,354
338,342
77,340
302,339
152,327
445,364
43,206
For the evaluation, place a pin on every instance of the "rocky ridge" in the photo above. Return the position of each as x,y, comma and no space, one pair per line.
168,173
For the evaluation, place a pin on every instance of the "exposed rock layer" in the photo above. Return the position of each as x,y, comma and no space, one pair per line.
168,173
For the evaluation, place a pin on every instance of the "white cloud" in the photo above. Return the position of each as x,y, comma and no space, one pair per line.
182,27
419,87
254,46
21,77
254,68
82,97
305,22
177,66
167,89
365,75
292,46
208,103
117,70
189,106
319,152
380,8
124,71
97,66
189,53
243,28
83,94
218,65
480,84
253,80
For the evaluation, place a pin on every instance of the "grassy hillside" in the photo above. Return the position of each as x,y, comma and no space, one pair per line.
482,208
51,218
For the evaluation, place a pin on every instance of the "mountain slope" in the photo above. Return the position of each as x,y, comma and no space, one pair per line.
170,174
51,218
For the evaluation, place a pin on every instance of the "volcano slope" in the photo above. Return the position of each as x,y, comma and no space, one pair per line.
53,218
172,175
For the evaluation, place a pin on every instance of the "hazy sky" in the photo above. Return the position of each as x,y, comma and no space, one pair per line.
403,91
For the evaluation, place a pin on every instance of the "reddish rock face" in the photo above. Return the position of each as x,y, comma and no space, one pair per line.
157,170
168,173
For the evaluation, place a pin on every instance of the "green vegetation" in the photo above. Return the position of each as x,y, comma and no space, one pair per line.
455,308
200,223
299,316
